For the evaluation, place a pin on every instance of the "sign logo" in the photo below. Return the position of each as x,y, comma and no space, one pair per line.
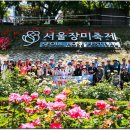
31,37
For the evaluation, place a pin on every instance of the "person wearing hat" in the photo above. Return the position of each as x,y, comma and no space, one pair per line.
70,69
109,67
125,77
52,63
103,64
62,71
73,62
39,71
84,71
93,70
116,79
78,70
50,71
87,65
96,62
100,73
38,61
123,65
56,71
45,65
116,65
81,63
33,69
23,68
10,67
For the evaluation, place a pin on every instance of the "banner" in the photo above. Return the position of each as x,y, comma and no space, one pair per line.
73,78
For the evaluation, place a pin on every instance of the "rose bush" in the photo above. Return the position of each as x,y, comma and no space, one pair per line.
4,43
30,111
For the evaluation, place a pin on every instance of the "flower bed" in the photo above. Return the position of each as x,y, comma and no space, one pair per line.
29,111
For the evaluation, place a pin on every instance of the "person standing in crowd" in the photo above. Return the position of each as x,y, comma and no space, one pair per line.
27,62
123,65
59,64
96,62
84,71
4,66
100,73
10,67
116,79
44,68
93,70
87,66
23,68
108,69
62,71
125,77
30,64
116,65
52,63
78,71
70,69
50,71
73,62
19,62
33,69
39,71
129,66
103,64
38,62
56,71
81,64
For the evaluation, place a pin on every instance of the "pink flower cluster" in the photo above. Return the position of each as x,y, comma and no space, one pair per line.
97,112
102,105
77,113
4,43
55,125
32,124
128,105
14,97
42,104
47,91
60,97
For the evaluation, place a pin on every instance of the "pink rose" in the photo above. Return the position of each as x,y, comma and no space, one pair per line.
77,113
27,125
111,100
27,99
58,105
14,97
42,104
55,126
29,111
60,97
102,105
36,122
97,112
50,105
47,91
34,95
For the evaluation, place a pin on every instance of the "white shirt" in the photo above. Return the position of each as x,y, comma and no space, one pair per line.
3,67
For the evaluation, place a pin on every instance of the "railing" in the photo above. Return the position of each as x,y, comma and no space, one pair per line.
93,19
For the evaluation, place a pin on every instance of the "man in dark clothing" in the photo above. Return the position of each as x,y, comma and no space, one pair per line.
100,73
78,70
108,67
93,70
116,65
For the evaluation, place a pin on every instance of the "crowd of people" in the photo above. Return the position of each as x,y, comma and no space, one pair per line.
110,70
